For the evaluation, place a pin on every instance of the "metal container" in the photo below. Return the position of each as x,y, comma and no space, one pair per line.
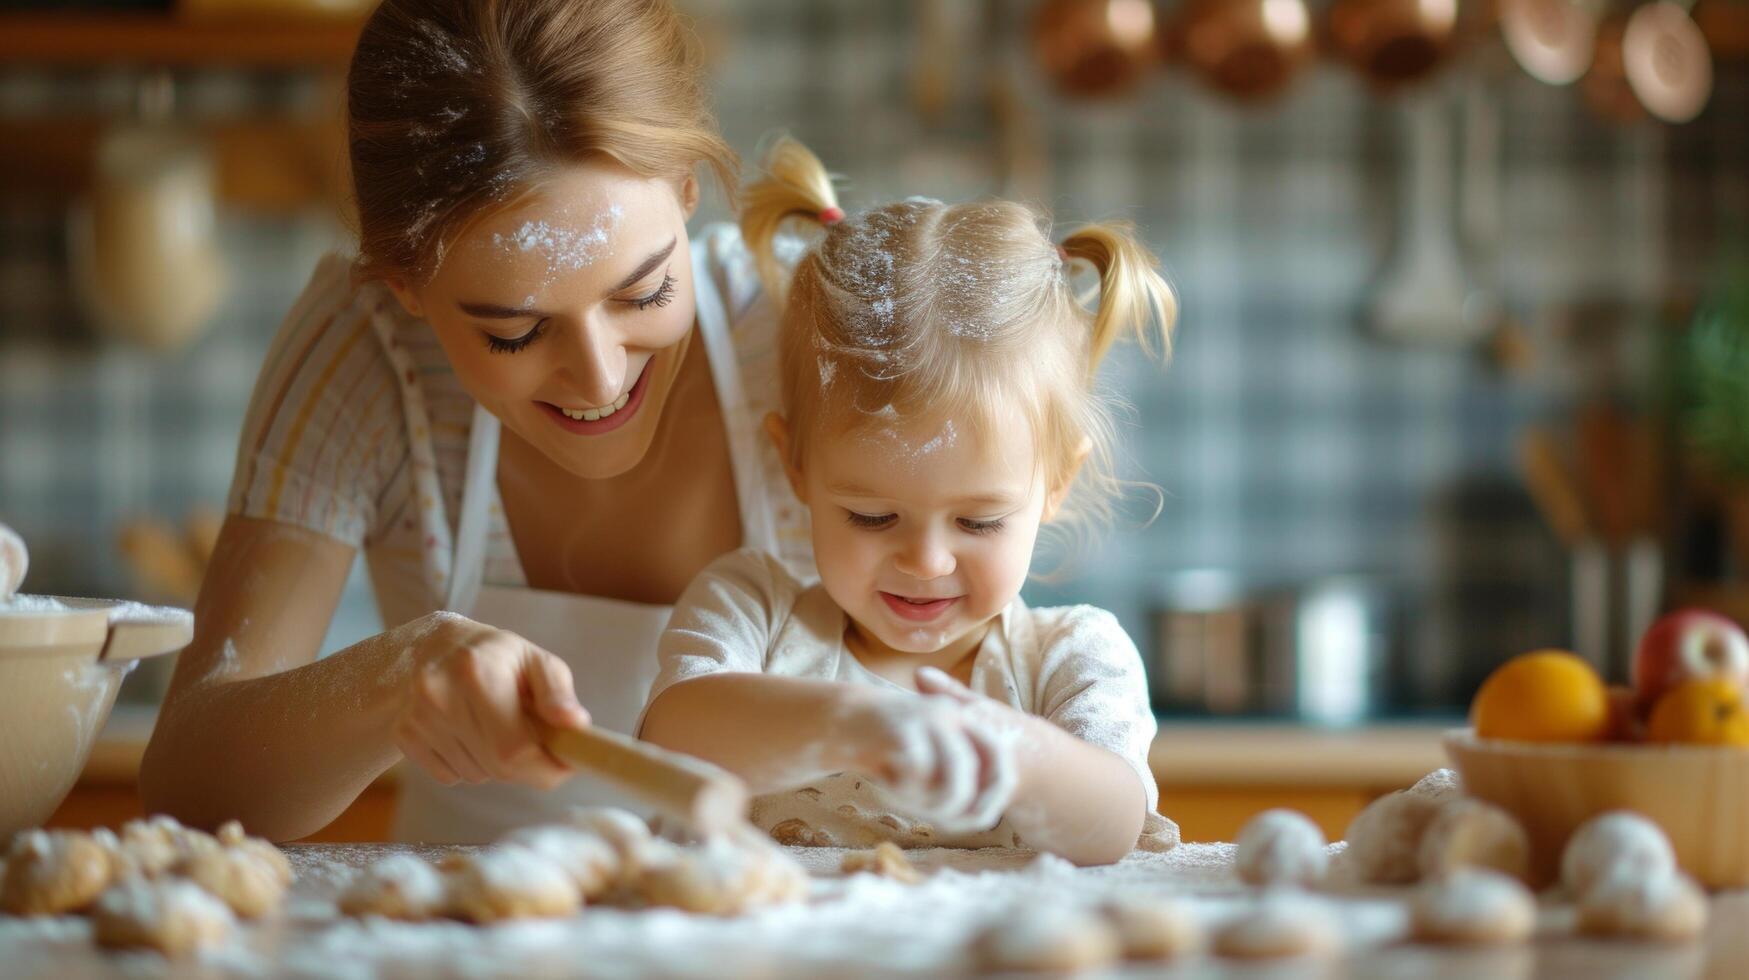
1326,650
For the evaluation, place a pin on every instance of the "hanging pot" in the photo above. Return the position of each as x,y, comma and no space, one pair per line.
1552,40
1249,49
1392,43
1095,48
1667,62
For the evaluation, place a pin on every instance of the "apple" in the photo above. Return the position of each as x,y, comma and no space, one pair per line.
1689,644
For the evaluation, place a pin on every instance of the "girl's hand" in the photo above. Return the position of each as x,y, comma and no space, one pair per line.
475,701
945,756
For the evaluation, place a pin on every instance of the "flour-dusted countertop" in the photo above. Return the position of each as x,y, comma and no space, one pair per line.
1186,753
858,926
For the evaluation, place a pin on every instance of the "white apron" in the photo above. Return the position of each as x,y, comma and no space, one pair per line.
610,644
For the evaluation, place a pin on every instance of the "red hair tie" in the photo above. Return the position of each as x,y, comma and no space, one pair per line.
831,216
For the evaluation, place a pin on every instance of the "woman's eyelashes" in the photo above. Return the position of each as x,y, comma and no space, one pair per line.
510,345
876,522
660,297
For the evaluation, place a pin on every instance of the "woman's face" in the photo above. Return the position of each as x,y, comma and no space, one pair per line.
566,312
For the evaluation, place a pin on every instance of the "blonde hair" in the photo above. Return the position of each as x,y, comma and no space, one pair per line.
454,104
952,312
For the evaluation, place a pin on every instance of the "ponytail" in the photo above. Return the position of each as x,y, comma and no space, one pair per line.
1133,296
795,185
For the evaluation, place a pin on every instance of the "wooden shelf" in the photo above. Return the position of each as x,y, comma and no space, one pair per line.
154,40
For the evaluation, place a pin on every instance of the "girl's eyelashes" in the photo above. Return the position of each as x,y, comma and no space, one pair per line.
663,295
501,345
982,527
876,522
873,522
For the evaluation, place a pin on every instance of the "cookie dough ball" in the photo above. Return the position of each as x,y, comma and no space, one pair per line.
172,916
886,860
399,886
625,831
717,878
1660,907
507,882
158,843
1384,840
1470,833
1031,939
231,836
592,863
1281,847
53,872
1472,906
1149,928
1440,786
1619,842
237,877
1283,924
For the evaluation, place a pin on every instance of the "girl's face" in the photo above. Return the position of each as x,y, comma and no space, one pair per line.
567,311
922,531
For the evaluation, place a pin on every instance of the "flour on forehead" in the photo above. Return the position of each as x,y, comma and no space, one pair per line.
565,248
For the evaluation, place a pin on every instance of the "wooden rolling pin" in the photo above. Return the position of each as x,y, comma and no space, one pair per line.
706,797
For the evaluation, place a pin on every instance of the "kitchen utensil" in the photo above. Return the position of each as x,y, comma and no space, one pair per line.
1322,650
14,561
1698,795
1553,40
704,797
1557,495
1392,43
61,663
1095,48
1422,292
1666,61
1250,49
1605,86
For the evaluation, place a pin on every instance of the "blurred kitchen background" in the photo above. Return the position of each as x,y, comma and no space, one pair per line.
1462,366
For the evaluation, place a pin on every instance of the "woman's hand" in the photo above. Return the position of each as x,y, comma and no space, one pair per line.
475,701
945,753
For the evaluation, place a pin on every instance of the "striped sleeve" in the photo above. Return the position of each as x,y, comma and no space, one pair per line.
324,435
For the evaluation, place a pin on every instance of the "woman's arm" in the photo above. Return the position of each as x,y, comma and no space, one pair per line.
254,727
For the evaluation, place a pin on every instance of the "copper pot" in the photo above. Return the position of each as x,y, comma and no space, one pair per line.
1095,48
1392,42
1250,49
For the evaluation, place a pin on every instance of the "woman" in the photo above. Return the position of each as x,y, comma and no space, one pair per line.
530,400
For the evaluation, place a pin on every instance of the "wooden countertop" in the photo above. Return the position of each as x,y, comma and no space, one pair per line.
1371,758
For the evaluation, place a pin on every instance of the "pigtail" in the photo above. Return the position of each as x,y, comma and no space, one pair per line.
795,185
1133,296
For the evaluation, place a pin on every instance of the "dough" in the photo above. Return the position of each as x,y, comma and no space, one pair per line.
1472,906
722,876
231,835
1440,786
238,877
1618,842
1281,847
1282,924
1470,833
156,844
592,863
1659,906
166,914
625,831
885,860
1384,840
796,832
400,886
1056,940
507,882
1149,928
53,872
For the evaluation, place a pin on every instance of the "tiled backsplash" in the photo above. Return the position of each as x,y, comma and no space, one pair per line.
1287,440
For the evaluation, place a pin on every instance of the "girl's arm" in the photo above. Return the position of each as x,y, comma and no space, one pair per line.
774,732
1075,799
254,727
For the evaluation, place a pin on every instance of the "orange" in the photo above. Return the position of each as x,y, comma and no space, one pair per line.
1545,696
1703,711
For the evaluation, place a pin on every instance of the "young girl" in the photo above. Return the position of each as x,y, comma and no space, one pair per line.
937,376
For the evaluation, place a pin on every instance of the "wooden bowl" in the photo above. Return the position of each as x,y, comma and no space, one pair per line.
1698,794
61,663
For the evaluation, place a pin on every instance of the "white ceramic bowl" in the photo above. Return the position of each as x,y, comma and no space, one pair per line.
61,662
